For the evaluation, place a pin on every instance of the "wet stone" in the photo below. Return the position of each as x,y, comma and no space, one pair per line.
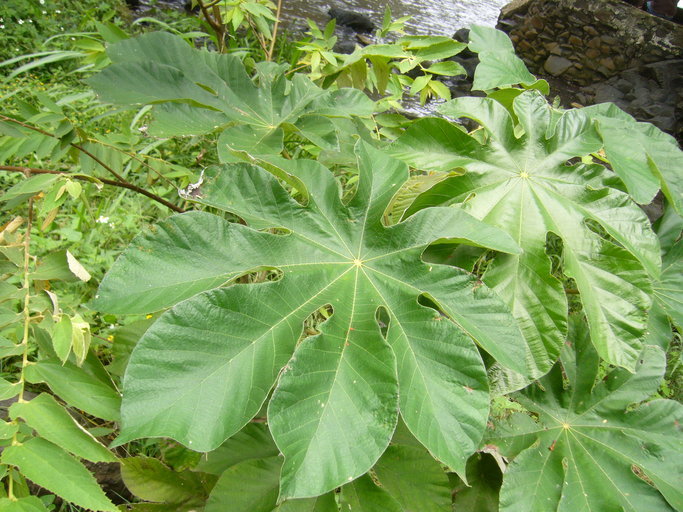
553,48
557,65
608,63
576,41
536,22
594,43
592,53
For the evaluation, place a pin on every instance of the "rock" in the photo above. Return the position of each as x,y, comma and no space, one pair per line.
605,93
537,22
556,65
355,21
596,42
592,53
576,41
553,48
608,63
588,29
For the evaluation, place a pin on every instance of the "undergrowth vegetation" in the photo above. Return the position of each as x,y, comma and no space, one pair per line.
233,271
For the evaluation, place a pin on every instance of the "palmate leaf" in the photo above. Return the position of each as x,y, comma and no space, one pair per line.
205,368
649,161
524,186
589,450
196,91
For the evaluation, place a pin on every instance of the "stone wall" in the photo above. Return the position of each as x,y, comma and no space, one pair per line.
587,41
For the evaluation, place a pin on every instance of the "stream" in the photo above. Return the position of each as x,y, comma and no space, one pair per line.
429,17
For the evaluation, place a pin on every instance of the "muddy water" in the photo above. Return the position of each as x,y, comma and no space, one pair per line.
429,17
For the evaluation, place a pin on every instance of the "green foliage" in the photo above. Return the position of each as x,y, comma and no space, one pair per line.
23,24
341,256
523,185
409,62
322,333
589,449
200,92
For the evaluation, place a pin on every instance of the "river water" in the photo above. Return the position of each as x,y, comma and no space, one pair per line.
429,17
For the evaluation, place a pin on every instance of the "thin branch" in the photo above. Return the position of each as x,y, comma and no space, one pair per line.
120,184
259,37
72,144
269,55
135,157
215,24
26,312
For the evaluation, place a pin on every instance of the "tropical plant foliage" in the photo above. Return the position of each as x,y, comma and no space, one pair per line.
360,311
588,449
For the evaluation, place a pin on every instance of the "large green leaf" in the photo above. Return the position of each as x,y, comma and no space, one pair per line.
669,288
324,503
252,442
205,368
52,468
250,486
484,478
415,480
589,450
643,156
525,186
149,479
200,91
364,495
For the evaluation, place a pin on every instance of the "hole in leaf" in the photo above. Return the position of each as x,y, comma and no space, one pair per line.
260,275
315,320
383,319
641,474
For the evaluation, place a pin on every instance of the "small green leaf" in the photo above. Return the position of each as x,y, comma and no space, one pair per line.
498,65
80,344
7,430
51,421
25,504
420,83
62,337
7,348
76,387
448,68
54,469
60,265
9,389
29,187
